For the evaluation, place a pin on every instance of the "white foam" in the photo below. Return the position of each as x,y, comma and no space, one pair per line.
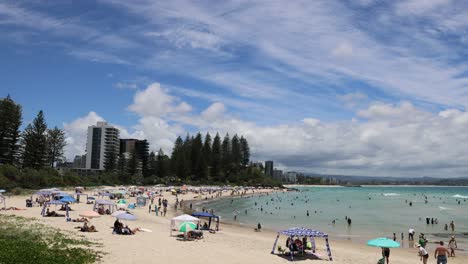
444,208
460,196
391,194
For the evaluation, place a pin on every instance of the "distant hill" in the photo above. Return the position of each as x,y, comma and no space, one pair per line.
374,180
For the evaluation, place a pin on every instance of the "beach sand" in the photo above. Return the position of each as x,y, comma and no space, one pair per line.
232,244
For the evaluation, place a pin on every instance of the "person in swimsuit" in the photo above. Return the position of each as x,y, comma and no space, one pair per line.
452,244
424,256
441,253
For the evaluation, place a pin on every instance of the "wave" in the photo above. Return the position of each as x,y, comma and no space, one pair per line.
391,194
460,196
445,208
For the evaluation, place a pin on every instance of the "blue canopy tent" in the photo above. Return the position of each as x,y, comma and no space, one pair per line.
55,202
101,203
304,232
209,216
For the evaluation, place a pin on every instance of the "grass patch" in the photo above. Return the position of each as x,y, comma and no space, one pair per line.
23,240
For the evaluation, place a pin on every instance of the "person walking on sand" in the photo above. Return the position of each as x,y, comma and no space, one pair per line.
452,244
441,253
452,226
423,255
386,254
411,232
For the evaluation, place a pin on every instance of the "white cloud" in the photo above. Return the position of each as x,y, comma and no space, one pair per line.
156,102
398,140
76,134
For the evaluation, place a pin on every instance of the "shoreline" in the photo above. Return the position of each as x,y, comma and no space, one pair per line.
232,244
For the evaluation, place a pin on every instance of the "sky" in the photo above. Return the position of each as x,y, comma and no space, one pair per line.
363,87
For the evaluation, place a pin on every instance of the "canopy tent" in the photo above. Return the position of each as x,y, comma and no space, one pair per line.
209,216
79,194
182,218
304,232
111,205
56,202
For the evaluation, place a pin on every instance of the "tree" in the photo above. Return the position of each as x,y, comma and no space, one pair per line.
207,149
216,158
122,169
162,164
178,159
55,145
236,154
198,162
10,121
245,152
132,164
34,143
187,166
152,164
226,155
110,158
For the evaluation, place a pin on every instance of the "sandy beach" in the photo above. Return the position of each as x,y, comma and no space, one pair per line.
232,244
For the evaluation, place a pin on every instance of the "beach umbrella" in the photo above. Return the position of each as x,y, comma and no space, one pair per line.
187,226
122,201
68,199
89,214
383,242
126,216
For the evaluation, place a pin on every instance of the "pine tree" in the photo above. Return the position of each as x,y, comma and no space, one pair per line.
207,148
132,163
55,145
245,151
122,169
236,154
178,159
152,164
199,167
34,143
162,159
226,155
187,157
10,121
216,158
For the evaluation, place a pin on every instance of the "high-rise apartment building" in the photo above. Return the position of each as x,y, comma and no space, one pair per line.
269,168
103,142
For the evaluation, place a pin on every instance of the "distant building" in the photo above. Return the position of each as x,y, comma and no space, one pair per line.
103,139
139,147
290,177
269,168
278,175
79,161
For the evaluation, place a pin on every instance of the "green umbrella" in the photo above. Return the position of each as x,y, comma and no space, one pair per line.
122,201
187,226
383,242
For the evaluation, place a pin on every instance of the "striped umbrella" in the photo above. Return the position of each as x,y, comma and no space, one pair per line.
187,226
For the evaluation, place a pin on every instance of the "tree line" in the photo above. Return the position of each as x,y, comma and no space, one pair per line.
28,158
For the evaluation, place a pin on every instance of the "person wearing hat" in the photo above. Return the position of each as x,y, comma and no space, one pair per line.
423,255
452,244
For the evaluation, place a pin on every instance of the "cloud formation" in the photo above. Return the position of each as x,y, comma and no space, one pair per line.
382,139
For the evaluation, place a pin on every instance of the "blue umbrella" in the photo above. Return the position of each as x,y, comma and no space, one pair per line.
68,199
126,216
383,242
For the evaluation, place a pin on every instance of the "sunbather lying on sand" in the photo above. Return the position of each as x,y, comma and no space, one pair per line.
13,208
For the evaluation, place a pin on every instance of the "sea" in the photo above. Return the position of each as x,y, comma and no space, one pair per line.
375,211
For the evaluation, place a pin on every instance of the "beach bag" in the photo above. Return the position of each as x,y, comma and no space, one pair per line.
381,261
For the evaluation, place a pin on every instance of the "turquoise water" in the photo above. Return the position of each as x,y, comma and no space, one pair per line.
375,211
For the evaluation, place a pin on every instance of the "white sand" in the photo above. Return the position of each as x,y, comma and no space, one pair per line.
231,245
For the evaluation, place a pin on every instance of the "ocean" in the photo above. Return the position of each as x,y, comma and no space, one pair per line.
375,211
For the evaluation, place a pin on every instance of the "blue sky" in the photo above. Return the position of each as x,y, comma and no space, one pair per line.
327,73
